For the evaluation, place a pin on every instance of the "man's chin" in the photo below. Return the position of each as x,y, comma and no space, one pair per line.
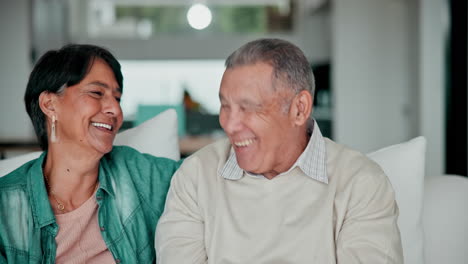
247,166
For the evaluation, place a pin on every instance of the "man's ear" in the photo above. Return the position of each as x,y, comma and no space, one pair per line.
47,101
301,108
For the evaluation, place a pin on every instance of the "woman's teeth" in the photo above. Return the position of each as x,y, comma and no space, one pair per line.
106,126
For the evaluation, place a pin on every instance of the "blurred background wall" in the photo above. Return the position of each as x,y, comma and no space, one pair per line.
384,68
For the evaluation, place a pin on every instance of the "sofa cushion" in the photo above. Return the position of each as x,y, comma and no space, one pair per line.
404,165
445,219
9,165
156,136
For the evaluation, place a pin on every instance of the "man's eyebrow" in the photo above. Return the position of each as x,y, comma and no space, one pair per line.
244,102
249,103
104,85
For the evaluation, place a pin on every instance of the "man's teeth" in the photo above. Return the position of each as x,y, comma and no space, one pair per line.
109,127
244,143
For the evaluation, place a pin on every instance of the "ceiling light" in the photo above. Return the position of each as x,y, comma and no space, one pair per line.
199,16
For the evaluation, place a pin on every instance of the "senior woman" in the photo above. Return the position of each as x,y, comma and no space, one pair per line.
83,200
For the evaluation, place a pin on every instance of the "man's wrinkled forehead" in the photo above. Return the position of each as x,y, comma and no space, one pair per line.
257,75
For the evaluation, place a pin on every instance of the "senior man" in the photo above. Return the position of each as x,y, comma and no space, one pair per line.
276,191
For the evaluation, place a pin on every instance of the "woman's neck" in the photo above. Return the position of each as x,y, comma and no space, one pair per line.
70,179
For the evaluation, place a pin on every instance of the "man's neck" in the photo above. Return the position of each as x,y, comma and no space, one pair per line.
290,157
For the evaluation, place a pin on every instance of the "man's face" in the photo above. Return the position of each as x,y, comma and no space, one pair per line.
256,121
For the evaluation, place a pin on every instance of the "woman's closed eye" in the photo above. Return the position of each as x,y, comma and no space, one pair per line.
96,93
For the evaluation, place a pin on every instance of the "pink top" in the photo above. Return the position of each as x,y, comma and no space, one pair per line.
79,237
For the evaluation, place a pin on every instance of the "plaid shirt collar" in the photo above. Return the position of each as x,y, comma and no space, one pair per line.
312,161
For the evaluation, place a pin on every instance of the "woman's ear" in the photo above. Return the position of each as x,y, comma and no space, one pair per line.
301,108
47,102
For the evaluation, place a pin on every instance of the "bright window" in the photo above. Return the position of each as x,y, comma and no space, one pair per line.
164,82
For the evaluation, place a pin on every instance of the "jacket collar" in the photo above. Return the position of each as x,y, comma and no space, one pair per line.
40,206
106,182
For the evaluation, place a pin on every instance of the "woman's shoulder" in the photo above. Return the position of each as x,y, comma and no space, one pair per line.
129,153
122,152
14,187
150,174
133,159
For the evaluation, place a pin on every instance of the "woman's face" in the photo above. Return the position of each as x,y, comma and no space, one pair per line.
88,113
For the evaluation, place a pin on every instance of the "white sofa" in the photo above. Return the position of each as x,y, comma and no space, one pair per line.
433,216
445,219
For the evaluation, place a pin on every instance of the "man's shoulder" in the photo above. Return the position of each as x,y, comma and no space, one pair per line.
217,151
209,158
347,164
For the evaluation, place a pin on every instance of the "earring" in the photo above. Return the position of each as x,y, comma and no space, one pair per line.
53,133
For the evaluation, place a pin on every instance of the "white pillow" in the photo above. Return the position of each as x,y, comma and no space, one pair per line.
9,165
404,165
156,136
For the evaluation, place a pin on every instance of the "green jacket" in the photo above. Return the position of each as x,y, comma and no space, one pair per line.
131,196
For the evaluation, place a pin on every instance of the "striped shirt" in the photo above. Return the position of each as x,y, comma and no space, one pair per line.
312,161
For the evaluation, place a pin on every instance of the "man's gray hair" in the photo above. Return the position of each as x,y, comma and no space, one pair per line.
290,66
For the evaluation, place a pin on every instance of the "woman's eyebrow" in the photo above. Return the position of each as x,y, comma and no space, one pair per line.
104,85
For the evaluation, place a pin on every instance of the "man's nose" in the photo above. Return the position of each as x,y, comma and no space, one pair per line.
233,122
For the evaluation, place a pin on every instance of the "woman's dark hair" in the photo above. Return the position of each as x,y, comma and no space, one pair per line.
62,68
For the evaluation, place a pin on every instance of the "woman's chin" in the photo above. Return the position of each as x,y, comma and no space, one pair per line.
103,148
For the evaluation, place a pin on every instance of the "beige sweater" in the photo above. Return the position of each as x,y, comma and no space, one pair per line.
289,219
